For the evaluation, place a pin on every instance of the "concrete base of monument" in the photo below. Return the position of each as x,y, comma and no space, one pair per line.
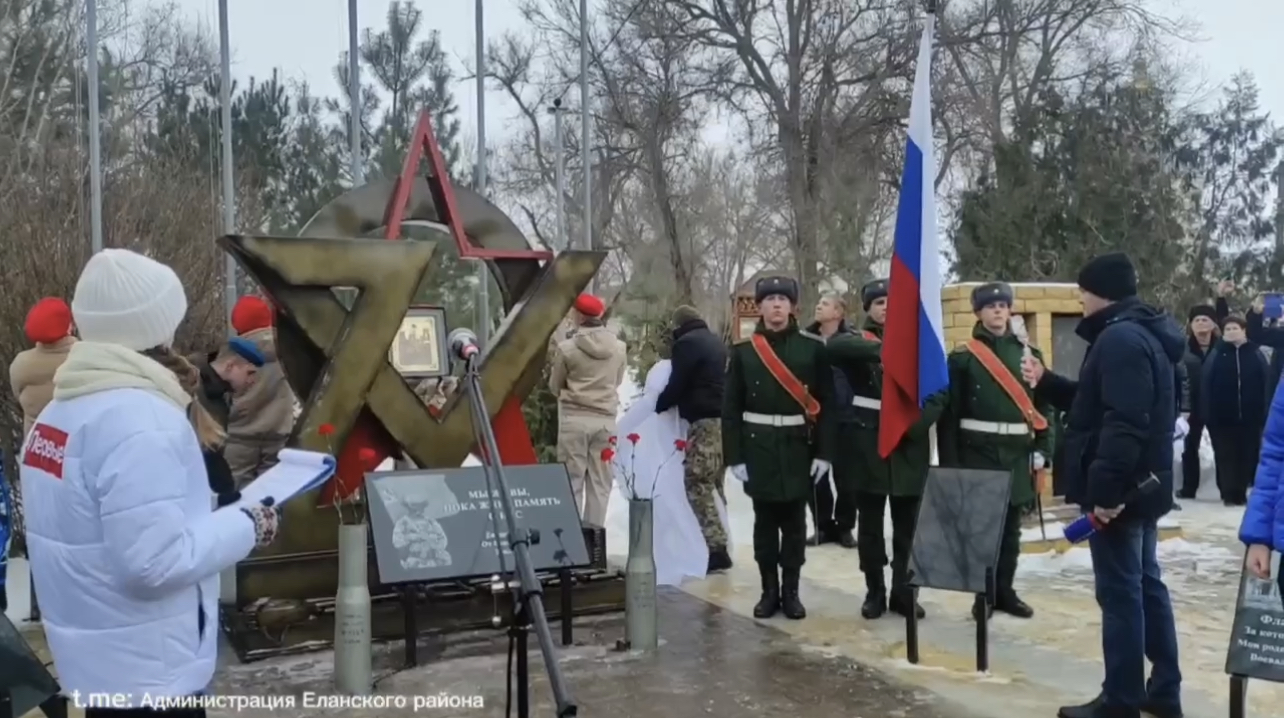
440,608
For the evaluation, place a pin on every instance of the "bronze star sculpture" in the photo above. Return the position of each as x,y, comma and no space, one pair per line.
336,359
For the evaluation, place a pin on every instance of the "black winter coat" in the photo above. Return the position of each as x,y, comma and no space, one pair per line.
1192,366
699,368
1235,381
1121,411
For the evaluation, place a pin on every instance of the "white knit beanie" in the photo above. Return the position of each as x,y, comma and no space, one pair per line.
127,299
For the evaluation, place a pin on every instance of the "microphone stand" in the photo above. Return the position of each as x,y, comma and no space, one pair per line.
528,593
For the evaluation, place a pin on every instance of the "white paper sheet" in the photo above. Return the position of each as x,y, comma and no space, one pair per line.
296,472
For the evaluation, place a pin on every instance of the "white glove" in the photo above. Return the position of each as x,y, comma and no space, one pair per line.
741,473
1038,461
819,469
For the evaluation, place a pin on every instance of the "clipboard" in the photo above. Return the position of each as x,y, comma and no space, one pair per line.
297,472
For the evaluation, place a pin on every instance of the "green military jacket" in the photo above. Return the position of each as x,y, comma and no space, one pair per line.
778,458
975,394
904,472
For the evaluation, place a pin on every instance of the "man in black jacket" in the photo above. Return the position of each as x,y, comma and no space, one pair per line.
1202,326
695,385
1118,432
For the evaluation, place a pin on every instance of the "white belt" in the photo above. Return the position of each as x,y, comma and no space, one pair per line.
995,427
774,419
867,403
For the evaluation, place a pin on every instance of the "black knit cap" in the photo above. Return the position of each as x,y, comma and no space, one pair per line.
990,293
876,289
1109,276
1202,310
784,286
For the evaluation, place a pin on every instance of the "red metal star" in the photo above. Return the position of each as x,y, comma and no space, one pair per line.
368,437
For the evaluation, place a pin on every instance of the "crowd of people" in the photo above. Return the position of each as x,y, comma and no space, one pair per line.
134,454
793,415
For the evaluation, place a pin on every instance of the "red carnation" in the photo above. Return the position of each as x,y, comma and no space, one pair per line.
633,438
368,457
326,429
608,453
613,440
680,444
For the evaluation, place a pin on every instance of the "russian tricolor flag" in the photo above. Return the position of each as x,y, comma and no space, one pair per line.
913,339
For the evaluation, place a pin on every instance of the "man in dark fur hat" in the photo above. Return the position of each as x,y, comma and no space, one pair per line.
778,385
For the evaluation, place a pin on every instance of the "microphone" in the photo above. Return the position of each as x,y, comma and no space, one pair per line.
463,344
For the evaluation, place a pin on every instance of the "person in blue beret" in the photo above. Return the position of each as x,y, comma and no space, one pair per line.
224,374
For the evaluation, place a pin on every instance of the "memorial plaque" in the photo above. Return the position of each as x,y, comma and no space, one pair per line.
1256,647
418,351
436,524
960,525
22,675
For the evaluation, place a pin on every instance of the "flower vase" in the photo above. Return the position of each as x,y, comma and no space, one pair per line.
352,669
641,631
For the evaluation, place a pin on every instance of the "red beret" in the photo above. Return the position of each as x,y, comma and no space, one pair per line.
251,313
48,321
589,305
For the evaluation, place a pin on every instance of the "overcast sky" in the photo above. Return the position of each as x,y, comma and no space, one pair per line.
305,37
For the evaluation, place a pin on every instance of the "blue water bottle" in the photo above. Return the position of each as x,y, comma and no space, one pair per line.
1080,529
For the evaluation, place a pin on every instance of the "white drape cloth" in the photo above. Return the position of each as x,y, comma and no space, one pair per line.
680,550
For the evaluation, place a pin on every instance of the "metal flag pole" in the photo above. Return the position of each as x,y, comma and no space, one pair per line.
559,170
95,128
586,138
354,97
229,189
353,671
483,269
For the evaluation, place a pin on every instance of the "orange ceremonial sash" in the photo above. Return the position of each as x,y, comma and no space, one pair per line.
1008,381
786,378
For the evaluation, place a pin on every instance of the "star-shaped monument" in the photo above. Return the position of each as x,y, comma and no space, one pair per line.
336,358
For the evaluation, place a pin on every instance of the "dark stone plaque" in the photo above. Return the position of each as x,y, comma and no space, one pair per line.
960,524
1256,647
436,524
22,674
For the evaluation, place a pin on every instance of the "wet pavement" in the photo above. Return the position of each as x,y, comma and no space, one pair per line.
711,662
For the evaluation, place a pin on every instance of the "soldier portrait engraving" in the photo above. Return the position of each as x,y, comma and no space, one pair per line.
416,503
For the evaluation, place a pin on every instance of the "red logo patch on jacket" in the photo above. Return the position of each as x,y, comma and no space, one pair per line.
45,449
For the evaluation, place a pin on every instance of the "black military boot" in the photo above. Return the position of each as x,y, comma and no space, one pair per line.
901,600
846,540
769,604
790,604
719,559
875,604
1011,604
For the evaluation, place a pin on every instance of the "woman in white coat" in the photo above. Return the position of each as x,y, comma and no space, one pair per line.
656,465
125,549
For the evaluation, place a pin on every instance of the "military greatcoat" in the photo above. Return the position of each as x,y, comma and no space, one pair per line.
777,458
975,394
904,473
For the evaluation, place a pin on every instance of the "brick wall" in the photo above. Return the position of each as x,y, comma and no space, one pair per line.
1038,303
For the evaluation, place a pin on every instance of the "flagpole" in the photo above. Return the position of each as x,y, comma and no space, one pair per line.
95,129
586,139
229,189
483,269
354,97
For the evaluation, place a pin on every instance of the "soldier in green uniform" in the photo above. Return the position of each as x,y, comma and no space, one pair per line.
984,427
778,384
896,481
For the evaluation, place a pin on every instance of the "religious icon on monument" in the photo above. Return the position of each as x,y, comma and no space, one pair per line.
415,503
417,352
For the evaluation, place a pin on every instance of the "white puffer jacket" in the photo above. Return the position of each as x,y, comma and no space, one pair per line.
125,550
